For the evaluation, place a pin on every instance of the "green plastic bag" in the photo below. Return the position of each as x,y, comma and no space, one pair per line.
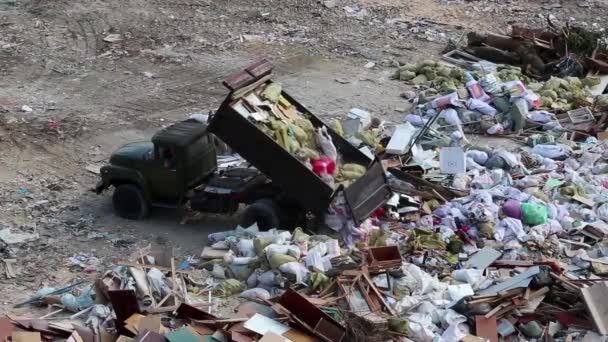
228,288
534,214
277,260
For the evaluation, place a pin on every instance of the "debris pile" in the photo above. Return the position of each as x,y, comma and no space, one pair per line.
474,243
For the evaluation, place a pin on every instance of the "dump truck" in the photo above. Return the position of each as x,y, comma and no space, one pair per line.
179,166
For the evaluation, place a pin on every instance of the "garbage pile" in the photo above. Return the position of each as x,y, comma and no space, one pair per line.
566,50
476,242
535,81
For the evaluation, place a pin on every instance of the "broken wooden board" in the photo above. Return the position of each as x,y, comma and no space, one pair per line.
595,299
26,336
584,200
486,328
6,328
150,323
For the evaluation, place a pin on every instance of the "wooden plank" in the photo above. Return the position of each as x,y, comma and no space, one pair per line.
151,323
597,305
486,328
26,336
160,268
494,311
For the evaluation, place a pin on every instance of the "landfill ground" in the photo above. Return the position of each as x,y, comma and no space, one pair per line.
89,96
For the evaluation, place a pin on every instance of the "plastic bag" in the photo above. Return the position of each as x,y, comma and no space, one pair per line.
482,181
325,142
472,165
602,212
470,276
255,293
490,84
296,269
406,304
424,282
228,288
316,262
415,120
451,116
456,292
510,227
272,92
83,301
534,214
239,231
551,151
246,248
291,250
158,286
474,104
277,260
271,279
479,157
496,129
541,116
461,181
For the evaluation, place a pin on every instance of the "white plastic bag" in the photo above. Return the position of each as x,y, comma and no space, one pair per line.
424,282
456,292
474,104
297,269
496,129
407,303
470,276
451,116
245,247
551,151
472,165
158,286
510,227
602,212
541,116
316,262
480,157
415,120
255,293
292,250
327,145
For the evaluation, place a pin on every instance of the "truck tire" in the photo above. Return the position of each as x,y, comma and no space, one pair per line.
129,202
263,211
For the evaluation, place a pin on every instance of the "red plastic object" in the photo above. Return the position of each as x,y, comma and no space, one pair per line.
323,166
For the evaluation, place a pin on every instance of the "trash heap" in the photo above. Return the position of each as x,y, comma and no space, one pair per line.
545,81
475,243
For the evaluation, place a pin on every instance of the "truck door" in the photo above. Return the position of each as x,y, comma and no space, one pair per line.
164,176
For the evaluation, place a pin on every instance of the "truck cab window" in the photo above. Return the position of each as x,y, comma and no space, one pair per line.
168,157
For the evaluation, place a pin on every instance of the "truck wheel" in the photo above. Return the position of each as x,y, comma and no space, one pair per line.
265,212
129,202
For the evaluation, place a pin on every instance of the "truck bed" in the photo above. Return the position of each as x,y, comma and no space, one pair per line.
364,195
